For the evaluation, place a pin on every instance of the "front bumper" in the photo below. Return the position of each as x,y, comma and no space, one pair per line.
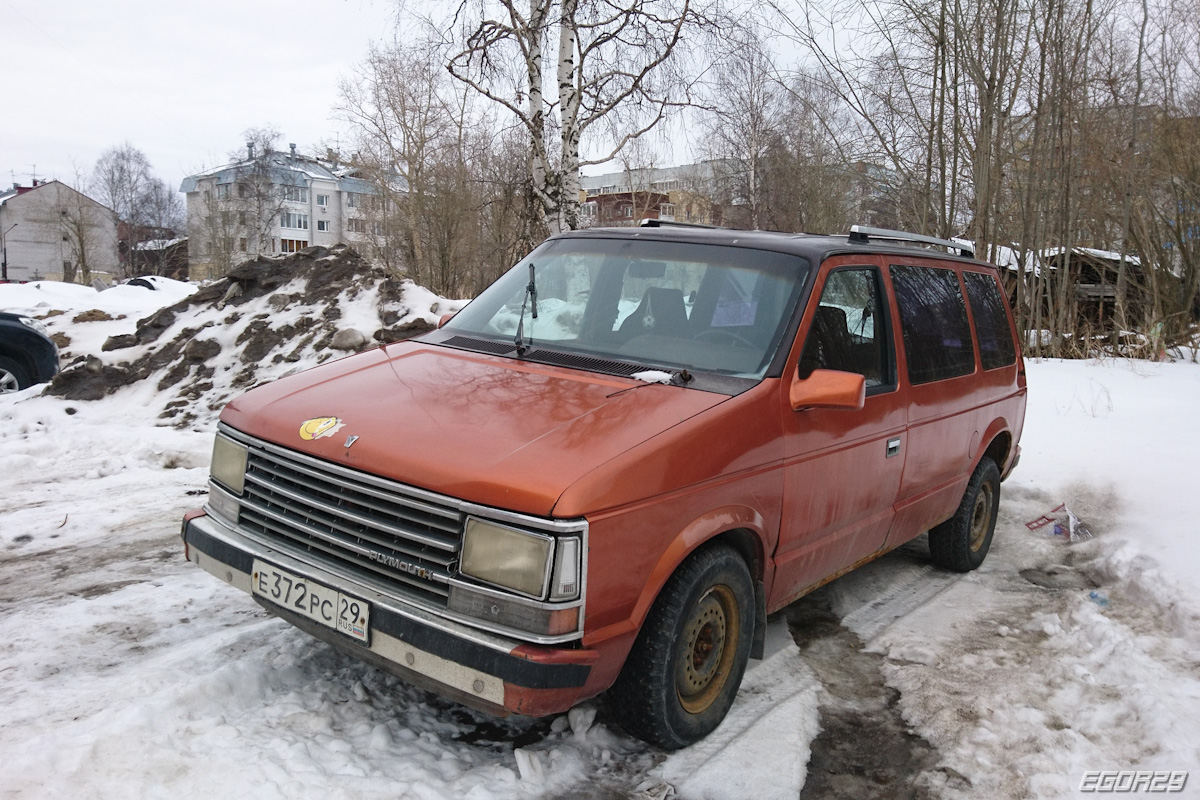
481,670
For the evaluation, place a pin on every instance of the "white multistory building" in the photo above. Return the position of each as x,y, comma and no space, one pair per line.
277,202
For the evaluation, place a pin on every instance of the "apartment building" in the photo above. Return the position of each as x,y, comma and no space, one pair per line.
275,202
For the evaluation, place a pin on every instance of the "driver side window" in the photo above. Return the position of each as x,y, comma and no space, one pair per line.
848,332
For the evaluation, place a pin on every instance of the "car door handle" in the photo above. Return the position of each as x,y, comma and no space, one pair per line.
893,447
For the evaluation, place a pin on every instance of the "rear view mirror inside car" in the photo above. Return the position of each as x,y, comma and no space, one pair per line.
647,269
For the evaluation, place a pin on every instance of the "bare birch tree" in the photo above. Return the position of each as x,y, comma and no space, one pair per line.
456,209
570,69
81,221
121,177
818,182
124,181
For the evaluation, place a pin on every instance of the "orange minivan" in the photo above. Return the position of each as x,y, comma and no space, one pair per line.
609,468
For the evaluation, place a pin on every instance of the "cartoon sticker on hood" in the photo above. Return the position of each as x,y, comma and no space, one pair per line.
320,428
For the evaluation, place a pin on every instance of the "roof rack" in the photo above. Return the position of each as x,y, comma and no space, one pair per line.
670,223
861,234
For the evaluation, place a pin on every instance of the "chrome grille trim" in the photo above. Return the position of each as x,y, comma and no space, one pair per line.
266,488
366,525
296,520
325,469
451,515
269,529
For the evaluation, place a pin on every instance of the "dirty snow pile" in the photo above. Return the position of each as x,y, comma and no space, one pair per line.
81,318
268,318
127,672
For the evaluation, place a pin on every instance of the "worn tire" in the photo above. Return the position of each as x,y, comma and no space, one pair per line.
13,376
688,660
961,542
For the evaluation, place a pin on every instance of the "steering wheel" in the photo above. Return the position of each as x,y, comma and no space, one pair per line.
715,333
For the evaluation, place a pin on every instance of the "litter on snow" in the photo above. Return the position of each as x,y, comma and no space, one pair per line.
1065,524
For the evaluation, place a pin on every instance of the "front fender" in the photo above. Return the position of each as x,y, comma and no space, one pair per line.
629,563
697,533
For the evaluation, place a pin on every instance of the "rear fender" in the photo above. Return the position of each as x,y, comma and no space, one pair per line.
997,442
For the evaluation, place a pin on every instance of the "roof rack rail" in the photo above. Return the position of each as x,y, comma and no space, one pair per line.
861,234
670,223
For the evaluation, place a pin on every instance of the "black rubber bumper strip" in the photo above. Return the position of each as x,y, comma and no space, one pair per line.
221,551
508,668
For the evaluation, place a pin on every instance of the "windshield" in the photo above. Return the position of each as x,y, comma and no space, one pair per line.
663,304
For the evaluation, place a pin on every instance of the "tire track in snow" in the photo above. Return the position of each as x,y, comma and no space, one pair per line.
865,748
913,588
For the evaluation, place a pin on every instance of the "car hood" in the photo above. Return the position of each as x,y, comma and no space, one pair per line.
485,429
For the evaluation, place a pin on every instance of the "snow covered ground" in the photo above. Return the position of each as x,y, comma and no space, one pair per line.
126,672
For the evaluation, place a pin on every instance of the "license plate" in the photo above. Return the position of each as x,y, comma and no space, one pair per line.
306,597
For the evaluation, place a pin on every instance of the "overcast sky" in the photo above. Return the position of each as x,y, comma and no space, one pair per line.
180,81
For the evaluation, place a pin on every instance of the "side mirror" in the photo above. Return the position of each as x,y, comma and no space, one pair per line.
827,388
444,319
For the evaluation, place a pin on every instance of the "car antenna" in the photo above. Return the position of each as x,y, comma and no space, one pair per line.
531,298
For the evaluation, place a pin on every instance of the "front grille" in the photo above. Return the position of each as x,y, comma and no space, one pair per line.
369,526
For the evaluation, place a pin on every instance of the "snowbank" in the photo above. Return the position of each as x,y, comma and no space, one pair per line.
181,351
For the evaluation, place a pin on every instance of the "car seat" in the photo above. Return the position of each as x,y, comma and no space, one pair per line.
661,312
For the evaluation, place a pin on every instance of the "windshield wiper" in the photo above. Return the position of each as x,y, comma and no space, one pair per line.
531,298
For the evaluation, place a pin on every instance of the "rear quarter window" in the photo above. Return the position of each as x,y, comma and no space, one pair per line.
996,347
933,320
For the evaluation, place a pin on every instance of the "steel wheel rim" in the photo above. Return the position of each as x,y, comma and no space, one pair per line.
981,516
708,649
8,382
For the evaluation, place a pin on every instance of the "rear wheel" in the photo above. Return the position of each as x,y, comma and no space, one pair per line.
962,542
13,376
687,663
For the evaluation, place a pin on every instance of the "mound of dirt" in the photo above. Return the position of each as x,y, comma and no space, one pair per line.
270,317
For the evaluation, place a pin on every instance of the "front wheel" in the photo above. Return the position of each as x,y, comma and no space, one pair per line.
962,542
13,376
687,663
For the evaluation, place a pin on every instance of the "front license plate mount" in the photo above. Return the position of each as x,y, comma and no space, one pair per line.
312,600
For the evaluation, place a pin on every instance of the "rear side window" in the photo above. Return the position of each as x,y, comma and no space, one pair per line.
996,348
933,319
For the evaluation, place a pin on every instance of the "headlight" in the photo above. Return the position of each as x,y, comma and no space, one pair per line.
507,557
538,580
229,464
35,324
